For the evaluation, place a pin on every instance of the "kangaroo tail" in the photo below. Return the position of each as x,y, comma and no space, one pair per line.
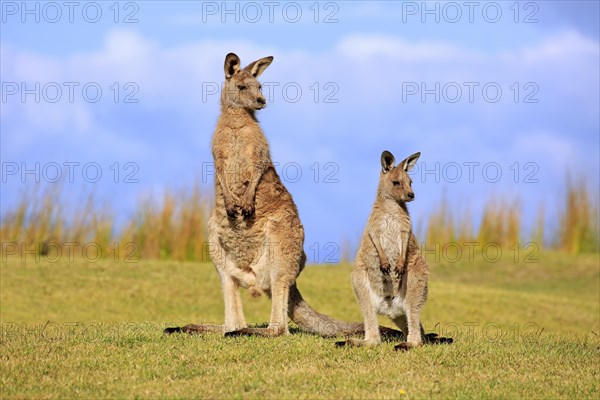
312,321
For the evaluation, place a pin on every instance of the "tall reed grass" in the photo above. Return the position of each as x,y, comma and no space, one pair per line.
579,219
43,221
43,215
501,223
174,226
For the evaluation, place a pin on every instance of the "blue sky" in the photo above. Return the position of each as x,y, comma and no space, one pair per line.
479,89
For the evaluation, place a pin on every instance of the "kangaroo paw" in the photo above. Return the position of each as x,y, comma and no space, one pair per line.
385,267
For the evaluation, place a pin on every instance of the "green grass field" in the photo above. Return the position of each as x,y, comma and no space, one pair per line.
93,330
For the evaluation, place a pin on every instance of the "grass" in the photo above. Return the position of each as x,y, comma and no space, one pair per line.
93,330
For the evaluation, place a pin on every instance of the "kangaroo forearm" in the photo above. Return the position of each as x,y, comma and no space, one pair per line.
221,174
403,258
380,253
252,184
405,237
222,181
247,202
256,175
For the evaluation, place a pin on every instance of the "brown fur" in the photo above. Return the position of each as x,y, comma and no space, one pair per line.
390,276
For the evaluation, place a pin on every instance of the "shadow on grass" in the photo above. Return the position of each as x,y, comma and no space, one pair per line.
387,334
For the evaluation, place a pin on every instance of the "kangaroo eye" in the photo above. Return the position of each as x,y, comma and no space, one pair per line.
241,87
396,183
260,88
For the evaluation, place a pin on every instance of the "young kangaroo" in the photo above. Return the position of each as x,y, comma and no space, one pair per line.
390,275
255,236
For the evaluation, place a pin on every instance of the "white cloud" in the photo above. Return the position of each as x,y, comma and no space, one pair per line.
565,46
367,47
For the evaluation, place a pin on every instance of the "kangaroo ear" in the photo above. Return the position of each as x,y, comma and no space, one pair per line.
410,162
232,65
258,66
387,161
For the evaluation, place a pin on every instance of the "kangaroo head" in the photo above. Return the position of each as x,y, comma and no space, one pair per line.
394,181
241,88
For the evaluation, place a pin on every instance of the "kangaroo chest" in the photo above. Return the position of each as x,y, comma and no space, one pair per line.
240,150
387,290
393,237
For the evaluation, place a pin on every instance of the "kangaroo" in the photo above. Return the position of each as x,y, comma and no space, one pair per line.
390,275
255,235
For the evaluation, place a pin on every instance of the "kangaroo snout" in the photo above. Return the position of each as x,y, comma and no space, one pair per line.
410,195
261,101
